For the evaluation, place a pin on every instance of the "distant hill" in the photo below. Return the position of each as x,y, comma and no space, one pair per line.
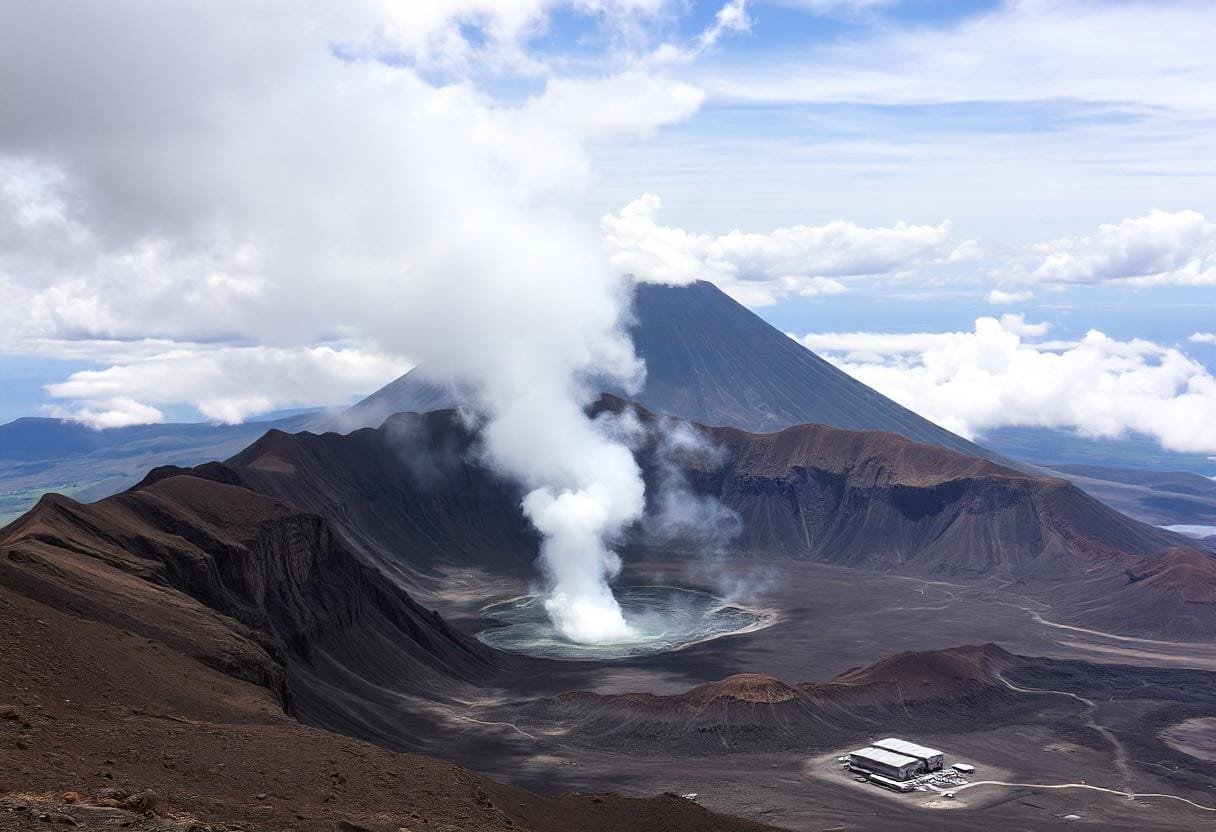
1162,497
39,455
1057,448
750,712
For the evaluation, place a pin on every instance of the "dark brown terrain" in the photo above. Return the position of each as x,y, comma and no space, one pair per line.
757,712
160,645
255,642
411,498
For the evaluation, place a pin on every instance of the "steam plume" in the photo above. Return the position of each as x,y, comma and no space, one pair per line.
279,183
524,322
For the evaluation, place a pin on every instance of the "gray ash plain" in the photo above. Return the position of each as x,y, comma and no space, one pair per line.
643,724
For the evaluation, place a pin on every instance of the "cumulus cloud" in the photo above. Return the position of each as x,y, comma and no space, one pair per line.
758,269
228,384
1159,248
116,412
999,297
994,376
1203,338
248,184
287,175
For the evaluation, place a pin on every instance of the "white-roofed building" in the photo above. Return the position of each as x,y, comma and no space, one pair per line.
886,763
931,757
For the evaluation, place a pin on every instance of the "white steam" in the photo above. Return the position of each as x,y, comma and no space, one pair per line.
272,182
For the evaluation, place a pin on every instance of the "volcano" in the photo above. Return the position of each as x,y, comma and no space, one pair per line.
713,361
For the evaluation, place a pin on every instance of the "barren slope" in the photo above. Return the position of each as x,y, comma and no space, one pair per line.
94,709
413,498
164,639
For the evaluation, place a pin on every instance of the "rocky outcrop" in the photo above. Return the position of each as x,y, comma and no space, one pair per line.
242,582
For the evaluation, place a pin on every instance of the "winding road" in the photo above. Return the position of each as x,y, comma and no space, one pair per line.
1120,755
1131,795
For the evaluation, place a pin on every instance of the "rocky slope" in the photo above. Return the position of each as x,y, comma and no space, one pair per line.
410,496
413,498
872,497
160,646
244,584
102,727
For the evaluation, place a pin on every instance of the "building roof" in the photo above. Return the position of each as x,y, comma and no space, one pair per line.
911,749
882,755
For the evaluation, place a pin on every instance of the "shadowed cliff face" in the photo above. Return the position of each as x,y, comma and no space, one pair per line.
874,498
410,497
239,581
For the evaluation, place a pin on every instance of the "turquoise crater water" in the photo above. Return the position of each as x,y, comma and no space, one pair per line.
663,618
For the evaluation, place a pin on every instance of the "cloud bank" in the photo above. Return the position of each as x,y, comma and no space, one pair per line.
759,269
226,384
1160,248
997,375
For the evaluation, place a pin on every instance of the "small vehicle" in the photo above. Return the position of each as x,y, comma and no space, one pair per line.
948,795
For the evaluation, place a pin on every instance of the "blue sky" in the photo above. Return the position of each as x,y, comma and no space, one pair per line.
890,167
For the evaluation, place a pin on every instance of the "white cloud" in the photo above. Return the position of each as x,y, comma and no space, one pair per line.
117,412
1131,55
758,269
998,297
199,181
1018,325
1203,338
227,384
1009,119
732,17
1176,248
630,103
991,377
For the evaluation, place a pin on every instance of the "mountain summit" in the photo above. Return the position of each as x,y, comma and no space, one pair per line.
713,361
